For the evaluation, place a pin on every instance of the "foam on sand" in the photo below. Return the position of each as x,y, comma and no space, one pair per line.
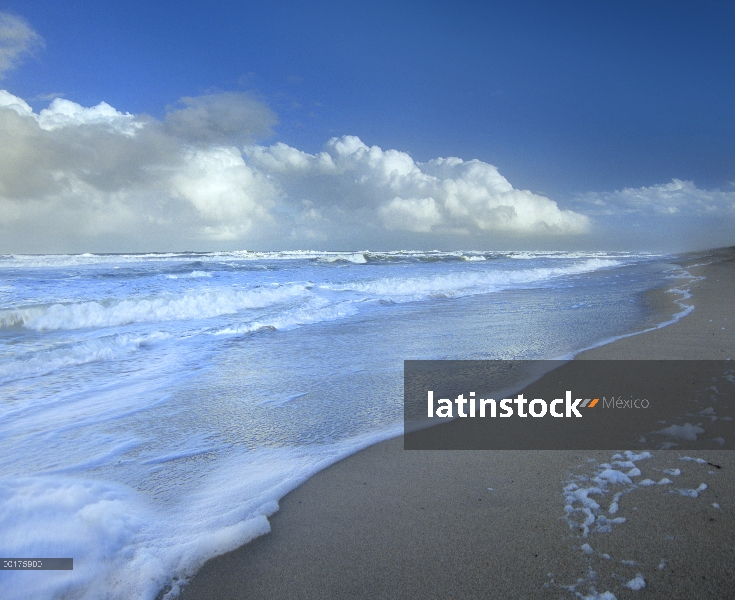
126,547
584,514
637,583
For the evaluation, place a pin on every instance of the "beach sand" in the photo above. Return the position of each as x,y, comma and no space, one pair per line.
390,523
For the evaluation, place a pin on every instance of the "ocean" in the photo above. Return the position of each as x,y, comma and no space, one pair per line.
155,407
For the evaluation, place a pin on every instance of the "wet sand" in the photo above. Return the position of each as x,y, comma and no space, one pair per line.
389,523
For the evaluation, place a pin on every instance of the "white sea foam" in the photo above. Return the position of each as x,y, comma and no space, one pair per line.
637,583
693,493
583,514
687,432
48,360
595,595
216,301
615,477
700,461
357,258
461,284
126,547
169,307
192,275
15,261
315,310
648,482
471,257
685,294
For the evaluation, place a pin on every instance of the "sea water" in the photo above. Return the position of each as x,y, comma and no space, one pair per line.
154,408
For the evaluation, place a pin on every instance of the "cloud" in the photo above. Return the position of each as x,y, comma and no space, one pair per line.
225,118
411,214
677,198
43,153
64,113
442,196
17,39
671,216
229,196
76,178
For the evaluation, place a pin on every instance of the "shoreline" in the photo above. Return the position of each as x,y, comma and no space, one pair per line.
385,522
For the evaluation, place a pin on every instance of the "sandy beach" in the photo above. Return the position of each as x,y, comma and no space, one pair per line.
389,523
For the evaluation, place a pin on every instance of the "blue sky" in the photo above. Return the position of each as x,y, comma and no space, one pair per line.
577,103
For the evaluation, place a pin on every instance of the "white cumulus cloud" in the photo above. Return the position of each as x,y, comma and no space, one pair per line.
228,195
64,113
75,179
445,195
411,214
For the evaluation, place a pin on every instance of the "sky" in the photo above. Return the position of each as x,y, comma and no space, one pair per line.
153,126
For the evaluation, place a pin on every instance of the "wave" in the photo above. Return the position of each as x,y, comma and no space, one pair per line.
192,275
114,347
466,283
316,310
314,302
20,261
168,307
